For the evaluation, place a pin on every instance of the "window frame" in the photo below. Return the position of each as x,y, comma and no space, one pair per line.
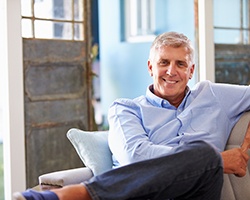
136,29
244,26
32,18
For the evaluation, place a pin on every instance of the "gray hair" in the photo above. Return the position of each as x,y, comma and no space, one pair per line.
172,39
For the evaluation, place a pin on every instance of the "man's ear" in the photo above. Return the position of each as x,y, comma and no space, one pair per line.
192,71
150,71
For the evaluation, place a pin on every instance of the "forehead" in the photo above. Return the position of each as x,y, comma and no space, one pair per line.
168,52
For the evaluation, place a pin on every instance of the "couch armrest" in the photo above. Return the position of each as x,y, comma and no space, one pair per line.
65,177
235,187
238,133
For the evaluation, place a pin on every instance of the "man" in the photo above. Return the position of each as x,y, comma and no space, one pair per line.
169,143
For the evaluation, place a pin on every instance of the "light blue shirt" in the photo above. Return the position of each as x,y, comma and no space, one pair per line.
148,126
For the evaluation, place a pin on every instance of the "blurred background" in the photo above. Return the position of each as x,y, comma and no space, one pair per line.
111,41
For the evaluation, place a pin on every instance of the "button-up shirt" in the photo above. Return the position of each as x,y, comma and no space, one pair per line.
149,126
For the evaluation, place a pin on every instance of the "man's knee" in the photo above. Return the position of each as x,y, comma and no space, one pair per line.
200,151
207,153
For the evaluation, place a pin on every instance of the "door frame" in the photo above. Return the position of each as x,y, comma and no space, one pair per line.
12,97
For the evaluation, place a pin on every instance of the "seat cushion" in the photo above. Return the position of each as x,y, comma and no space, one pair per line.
92,148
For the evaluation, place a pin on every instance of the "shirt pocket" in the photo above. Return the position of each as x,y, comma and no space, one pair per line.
203,120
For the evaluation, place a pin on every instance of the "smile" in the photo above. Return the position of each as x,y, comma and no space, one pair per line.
170,81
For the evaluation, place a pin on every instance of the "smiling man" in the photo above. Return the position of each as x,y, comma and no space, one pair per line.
171,68
168,143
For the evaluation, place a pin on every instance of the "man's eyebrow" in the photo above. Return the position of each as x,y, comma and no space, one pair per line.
182,61
162,59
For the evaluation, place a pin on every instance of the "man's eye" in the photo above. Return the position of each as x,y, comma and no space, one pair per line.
181,64
163,62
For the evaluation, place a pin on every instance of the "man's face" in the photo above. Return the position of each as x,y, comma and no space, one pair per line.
171,68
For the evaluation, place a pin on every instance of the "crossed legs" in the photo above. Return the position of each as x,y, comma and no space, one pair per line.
192,171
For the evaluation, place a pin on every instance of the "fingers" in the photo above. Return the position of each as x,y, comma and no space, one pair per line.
245,147
241,172
235,161
246,143
243,159
245,156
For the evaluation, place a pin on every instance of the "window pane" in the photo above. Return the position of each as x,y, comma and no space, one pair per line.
67,31
43,29
78,31
246,37
78,10
132,18
139,20
232,36
27,28
245,13
48,19
26,6
62,10
227,14
43,9
49,30
231,21
56,9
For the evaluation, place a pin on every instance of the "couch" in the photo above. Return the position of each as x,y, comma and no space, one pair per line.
92,148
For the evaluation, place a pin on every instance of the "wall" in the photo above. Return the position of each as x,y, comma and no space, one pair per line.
124,65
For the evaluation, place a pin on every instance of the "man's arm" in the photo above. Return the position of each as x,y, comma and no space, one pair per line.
235,160
128,140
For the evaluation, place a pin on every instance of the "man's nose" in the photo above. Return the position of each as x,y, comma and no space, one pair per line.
171,71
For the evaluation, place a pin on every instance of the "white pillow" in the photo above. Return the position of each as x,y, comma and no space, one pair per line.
92,147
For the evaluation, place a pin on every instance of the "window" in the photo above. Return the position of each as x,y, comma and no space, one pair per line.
53,19
231,22
139,20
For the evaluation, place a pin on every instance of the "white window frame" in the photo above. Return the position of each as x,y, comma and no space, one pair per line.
37,32
206,41
139,20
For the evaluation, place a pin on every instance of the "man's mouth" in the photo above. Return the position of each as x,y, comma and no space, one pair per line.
170,81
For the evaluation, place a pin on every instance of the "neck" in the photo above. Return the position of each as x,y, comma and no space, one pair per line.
174,101
177,102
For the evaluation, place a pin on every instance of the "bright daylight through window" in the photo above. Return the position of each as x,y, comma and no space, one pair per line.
231,21
53,19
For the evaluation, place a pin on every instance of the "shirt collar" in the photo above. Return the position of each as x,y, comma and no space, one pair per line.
159,102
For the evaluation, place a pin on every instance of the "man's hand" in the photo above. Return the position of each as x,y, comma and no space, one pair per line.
235,160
